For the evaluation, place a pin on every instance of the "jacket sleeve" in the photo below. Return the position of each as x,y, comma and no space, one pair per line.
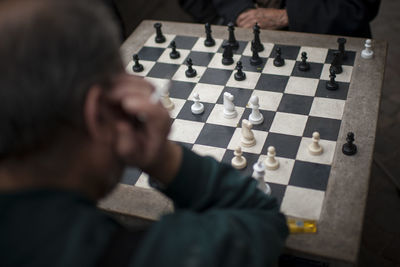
341,17
221,219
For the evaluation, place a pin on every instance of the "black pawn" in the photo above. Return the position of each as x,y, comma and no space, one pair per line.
239,75
341,43
232,40
209,41
257,42
255,59
160,38
304,65
174,54
336,65
332,84
278,61
137,67
190,72
227,55
349,148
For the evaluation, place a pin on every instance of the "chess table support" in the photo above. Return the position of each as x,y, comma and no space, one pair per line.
340,226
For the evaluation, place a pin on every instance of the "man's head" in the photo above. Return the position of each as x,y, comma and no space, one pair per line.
57,58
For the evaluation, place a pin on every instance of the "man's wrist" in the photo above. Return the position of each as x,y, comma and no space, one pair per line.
283,19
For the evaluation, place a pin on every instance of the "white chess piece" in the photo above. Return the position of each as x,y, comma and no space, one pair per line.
255,117
165,100
367,53
258,174
197,107
315,148
238,161
271,163
247,138
229,107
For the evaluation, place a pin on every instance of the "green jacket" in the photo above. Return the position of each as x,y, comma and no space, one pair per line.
221,219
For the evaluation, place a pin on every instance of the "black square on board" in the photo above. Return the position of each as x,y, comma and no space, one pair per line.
272,83
277,191
248,67
287,51
200,58
185,42
340,93
130,176
297,104
163,70
327,128
242,96
215,135
216,76
181,90
268,119
286,145
348,61
310,175
314,71
186,112
150,53
250,158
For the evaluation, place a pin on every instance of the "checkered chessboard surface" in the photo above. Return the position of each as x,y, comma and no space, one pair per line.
294,105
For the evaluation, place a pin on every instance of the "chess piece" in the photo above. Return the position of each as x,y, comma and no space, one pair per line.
349,148
271,163
239,75
190,72
137,67
255,59
332,84
197,107
238,161
174,54
247,138
160,38
367,53
165,100
232,40
209,41
227,55
304,65
229,108
278,61
336,65
341,43
257,42
255,116
258,174
315,148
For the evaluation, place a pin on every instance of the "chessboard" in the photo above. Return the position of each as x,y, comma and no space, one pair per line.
294,104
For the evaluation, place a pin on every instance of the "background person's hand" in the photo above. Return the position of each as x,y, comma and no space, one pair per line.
267,18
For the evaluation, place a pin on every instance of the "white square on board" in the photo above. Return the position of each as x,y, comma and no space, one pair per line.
260,137
165,58
265,53
185,131
158,83
314,54
215,152
151,41
327,108
345,76
288,123
301,86
325,158
268,100
216,62
285,70
217,116
280,175
249,83
181,76
200,47
208,92
178,104
143,181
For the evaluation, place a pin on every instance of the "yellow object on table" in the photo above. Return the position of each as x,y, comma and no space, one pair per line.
297,226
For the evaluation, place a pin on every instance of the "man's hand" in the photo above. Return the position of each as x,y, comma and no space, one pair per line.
141,130
267,18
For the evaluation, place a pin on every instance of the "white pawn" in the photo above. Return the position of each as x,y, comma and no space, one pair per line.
258,174
247,138
229,107
255,117
271,163
315,148
367,53
197,107
165,100
238,161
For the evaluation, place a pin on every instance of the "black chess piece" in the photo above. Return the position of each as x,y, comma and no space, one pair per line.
137,67
349,148
209,41
174,54
255,59
190,72
332,84
278,61
227,55
239,75
257,42
304,65
341,43
232,40
336,65
160,38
